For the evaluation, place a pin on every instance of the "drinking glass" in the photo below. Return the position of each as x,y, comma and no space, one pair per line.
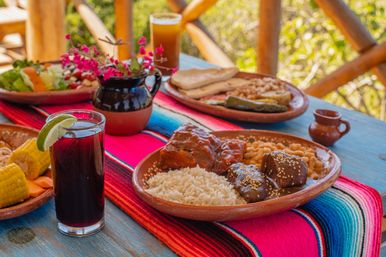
165,31
77,164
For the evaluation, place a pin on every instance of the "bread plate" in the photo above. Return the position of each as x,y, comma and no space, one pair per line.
298,105
244,211
19,134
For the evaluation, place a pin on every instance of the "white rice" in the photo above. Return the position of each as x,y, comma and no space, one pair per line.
194,186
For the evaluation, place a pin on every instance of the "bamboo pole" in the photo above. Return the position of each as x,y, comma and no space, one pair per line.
195,9
352,28
45,36
124,27
94,24
268,36
349,71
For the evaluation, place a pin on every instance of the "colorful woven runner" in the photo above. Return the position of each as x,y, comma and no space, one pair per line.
344,221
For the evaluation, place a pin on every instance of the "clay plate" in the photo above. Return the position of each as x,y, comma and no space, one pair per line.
15,136
245,211
69,96
297,107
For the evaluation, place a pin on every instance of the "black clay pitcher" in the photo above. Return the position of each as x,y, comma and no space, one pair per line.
126,102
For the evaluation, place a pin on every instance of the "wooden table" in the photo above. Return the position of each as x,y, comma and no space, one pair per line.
362,151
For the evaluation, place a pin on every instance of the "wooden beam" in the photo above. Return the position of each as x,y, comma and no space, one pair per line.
45,36
195,9
124,27
179,5
208,48
353,29
349,71
200,37
95,25
268,36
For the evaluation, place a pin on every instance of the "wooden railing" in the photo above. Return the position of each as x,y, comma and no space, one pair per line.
50,43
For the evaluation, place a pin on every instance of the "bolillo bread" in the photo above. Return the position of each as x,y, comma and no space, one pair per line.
195,78
215,88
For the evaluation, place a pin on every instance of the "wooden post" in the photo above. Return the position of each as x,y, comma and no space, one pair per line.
268,36
45,30
349,71
352,28
124,27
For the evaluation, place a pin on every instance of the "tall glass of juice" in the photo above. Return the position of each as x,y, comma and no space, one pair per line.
166,32
77,165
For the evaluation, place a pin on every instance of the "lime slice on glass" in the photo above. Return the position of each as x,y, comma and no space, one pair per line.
53,130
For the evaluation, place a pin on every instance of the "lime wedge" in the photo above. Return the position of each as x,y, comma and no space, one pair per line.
53,130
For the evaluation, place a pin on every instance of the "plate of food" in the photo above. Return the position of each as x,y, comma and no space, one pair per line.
25,177
235,174
228,93
46,83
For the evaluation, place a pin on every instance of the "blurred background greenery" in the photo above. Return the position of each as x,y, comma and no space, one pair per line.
310,45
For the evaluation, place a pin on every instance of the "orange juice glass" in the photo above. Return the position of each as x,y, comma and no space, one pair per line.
166,32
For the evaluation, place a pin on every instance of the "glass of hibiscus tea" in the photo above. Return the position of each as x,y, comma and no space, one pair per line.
76,142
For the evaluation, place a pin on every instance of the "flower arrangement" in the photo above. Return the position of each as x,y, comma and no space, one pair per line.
90,60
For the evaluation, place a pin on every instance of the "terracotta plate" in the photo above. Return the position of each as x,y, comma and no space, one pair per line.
69,96
258,209
15,136
298,104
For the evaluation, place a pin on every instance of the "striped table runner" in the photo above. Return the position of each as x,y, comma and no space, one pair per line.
343,221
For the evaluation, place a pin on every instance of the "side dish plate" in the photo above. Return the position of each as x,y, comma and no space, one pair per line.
19,134
297,107
250,210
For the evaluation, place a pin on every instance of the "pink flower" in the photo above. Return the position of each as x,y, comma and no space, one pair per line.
84,48
142,50
159,50
148,58
111,72
151,53
142,41
174,70
95,50
68,36
65,59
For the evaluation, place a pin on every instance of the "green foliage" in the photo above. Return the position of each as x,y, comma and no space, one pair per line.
310,45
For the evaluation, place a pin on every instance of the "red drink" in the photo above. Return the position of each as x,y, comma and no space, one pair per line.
77,164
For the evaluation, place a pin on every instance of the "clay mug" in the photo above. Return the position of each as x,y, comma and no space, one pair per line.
326,127
127,102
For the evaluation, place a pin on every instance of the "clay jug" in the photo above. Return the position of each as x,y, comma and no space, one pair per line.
326,127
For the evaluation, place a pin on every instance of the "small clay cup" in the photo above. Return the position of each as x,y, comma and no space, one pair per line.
326,127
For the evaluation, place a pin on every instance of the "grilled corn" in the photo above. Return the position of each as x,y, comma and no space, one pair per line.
13,185
32,161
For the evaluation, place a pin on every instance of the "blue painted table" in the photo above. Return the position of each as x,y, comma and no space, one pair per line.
362,151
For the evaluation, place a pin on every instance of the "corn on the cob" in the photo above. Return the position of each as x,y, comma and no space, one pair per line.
32,161
13,185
